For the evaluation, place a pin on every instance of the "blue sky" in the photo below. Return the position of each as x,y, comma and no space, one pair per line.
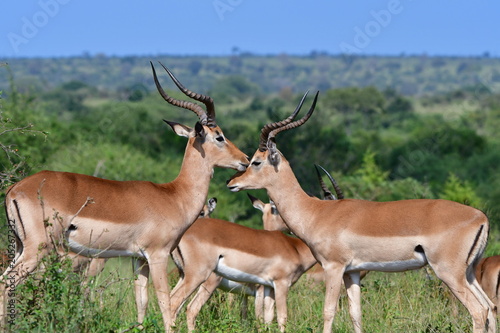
45,28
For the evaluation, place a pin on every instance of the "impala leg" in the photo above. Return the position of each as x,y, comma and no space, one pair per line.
352,281
259,303
158,268
184,288
269,301
333,282
141,271
281,293
486,301
467,295
205,290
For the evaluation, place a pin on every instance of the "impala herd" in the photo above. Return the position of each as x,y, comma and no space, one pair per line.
95,219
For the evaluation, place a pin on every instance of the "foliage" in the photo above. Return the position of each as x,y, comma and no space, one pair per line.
55,300
433,148
460,191
415,75
12,161
364,101
370,182
233,87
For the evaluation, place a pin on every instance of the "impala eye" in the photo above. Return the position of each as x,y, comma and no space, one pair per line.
219,138
256,163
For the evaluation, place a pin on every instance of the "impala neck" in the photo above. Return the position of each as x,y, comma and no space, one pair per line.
193,181
291,200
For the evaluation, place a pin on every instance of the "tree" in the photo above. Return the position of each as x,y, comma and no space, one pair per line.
368,100
12,161
233,87
460,191
370,182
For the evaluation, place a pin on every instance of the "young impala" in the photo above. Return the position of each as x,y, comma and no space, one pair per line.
234,288
104,218
208,208
347,236
240,254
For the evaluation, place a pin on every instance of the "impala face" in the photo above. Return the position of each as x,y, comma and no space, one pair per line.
210,141
208,208
271,218
226,153
252,178
265,165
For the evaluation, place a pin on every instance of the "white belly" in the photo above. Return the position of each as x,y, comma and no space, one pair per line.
236,287
391,266
102,253
237,275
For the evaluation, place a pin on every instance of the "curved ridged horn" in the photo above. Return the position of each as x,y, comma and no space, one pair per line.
264,133
296,123
327,193
206,117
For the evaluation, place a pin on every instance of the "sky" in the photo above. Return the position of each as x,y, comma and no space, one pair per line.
59,28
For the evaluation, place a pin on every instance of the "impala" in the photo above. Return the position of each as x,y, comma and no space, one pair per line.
105,218
240,254
488,275
213,282
235,288
347,236
208,208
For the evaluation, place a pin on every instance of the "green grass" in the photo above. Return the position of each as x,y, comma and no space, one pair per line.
55,301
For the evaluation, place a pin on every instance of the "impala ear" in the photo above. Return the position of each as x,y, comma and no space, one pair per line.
212,202
200,131
179,129
256,202
274,155
274,210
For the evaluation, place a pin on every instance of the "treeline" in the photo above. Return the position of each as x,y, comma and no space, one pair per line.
378,143
414,75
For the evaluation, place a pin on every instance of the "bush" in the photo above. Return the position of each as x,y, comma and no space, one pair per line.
53,300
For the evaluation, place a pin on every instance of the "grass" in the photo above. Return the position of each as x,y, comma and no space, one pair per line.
55,301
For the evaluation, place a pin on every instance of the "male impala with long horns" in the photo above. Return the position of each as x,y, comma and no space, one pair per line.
347,236
105,218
